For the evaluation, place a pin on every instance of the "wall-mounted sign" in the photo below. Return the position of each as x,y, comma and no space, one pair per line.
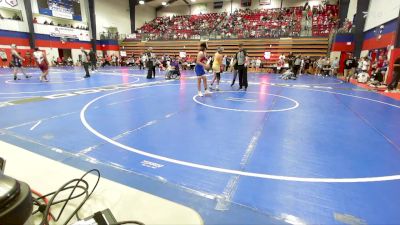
12,3
9,3
246,3
267,55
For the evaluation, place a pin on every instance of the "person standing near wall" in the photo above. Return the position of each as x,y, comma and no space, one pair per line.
224,63
335,66
297,65
242,62
349,64
17,62
93,60
151,63
217,67
3,58
258,64
291,59
85,62
307,63
234,69
392,87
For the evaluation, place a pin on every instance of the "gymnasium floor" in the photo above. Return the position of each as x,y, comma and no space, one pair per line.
310,151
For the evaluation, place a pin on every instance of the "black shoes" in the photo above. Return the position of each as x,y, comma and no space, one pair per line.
87,76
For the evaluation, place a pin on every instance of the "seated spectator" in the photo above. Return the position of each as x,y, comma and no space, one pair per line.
3,58
16,17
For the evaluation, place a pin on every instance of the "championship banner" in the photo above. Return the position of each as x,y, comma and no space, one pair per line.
267,55
61,14
182,54
62,32
131,36
265,2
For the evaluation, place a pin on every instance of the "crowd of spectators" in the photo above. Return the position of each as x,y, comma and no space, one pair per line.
320,20
181,27
325,19
14,17
347,27
246,23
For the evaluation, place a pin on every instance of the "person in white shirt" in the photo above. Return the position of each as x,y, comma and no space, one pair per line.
282,57
335,66
319,65
224,63
253,63
43,64
258,64
70,61
365,64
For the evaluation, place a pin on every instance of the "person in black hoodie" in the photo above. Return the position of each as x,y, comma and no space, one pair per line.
151,63
93,60
396,77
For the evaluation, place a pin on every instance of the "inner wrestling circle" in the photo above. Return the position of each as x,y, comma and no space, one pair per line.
258,104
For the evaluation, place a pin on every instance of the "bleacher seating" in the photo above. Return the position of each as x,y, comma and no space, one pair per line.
307,46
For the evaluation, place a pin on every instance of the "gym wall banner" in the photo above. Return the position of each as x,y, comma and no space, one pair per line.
267,55
265,2
9,3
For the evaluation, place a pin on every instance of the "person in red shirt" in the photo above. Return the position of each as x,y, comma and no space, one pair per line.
59,61
3,58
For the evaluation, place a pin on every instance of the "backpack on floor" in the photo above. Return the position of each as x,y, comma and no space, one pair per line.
362,78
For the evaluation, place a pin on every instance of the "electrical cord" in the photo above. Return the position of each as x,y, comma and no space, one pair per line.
71,186
51,201
42,207
76,184
39,204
